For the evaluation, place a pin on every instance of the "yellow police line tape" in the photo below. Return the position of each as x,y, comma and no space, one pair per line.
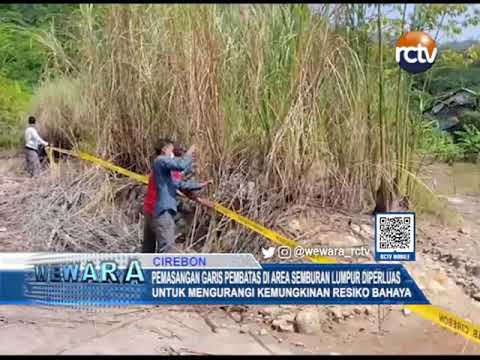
441,317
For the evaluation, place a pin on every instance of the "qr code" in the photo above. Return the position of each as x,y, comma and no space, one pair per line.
395,232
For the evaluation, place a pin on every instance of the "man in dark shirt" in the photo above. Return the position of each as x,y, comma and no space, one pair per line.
167,186
149,241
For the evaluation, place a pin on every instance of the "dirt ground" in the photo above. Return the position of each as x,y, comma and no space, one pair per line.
447,269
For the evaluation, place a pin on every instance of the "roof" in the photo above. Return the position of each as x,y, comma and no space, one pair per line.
454,92
441,100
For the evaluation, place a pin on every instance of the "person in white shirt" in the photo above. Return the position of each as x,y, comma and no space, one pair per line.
32,144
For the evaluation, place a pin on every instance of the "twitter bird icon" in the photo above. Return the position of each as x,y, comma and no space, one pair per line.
268,253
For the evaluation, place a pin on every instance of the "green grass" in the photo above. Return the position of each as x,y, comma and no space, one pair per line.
13,105
445,78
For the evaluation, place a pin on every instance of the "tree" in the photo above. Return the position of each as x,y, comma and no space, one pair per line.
473,55
21,58
452,57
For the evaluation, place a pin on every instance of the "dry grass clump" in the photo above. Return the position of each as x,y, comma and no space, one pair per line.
274,86
283,111
74,213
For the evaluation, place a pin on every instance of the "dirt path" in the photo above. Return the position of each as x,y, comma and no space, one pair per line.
213,330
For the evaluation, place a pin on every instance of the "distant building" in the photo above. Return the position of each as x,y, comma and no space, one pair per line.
447,109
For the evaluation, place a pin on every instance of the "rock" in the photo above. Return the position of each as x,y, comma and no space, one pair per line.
263,332
243,329
367,311
457,263
3,229
436,287
336,314
476,296
295,225
447,257
339,240
283,326
476,271
237,308
288,317
357,311
406,312
353,241
290,307
299,344
476,283
271,311
355,227
309,321
367,229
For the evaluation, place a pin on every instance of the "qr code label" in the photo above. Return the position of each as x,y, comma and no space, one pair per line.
395,234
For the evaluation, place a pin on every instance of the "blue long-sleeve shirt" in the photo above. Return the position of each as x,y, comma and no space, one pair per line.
166,186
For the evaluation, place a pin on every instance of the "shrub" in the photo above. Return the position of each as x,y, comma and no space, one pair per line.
469,142
440,144
13,103
470,119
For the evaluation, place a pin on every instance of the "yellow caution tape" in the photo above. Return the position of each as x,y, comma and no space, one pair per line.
110,166
269,234
448,320
105,164
441,317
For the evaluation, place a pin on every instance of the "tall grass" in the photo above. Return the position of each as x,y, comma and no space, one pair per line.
14,101
270,86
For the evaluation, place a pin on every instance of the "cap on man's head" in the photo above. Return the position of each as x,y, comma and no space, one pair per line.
32,120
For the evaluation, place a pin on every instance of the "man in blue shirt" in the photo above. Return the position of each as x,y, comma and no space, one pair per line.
166,201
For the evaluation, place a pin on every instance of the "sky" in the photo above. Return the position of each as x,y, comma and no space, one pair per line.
470,33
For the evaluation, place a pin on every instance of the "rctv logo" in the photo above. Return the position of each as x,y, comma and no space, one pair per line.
416,52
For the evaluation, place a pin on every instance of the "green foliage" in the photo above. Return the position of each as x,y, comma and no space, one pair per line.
473,55
451,57
32,14
469,141
21,58
13,102
443,147
447,78
471,118
446,18
440,144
